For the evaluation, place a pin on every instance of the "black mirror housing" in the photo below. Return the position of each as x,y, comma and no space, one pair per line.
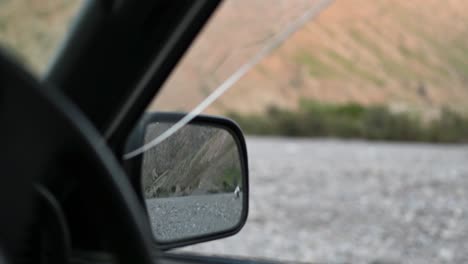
136,170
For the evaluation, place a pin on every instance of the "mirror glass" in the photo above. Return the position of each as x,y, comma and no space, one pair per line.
192,181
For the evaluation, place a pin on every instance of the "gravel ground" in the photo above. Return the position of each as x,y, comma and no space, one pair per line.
354,202
179,217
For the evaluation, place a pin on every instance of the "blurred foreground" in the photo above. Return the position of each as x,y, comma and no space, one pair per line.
353,201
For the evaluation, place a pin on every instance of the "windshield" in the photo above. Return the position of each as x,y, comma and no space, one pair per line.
225,45
356,126
232,63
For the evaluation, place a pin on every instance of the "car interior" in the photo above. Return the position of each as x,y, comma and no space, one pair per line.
67,194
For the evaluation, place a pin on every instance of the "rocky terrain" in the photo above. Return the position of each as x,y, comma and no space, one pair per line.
333,201
181,217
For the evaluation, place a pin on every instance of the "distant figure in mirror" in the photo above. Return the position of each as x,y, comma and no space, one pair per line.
237,191
154,173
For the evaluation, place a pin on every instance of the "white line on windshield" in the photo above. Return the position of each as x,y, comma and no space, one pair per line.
271,45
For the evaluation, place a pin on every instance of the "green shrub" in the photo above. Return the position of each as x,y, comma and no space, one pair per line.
450,127
351,120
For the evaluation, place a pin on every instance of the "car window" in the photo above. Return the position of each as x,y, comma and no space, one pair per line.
31,31
229,53
224,45
356,127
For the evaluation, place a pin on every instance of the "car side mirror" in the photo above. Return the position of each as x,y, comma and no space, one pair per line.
194,184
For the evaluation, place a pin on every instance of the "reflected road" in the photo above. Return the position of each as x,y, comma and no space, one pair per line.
178,217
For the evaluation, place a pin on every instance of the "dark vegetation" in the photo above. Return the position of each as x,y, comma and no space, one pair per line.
351,120
230,178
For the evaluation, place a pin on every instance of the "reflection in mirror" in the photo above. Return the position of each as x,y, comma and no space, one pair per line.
192,182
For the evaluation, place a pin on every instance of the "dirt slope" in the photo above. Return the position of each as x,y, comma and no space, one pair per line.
33,29
407,54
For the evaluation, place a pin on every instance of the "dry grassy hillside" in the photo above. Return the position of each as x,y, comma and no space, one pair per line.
407,54
33,29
